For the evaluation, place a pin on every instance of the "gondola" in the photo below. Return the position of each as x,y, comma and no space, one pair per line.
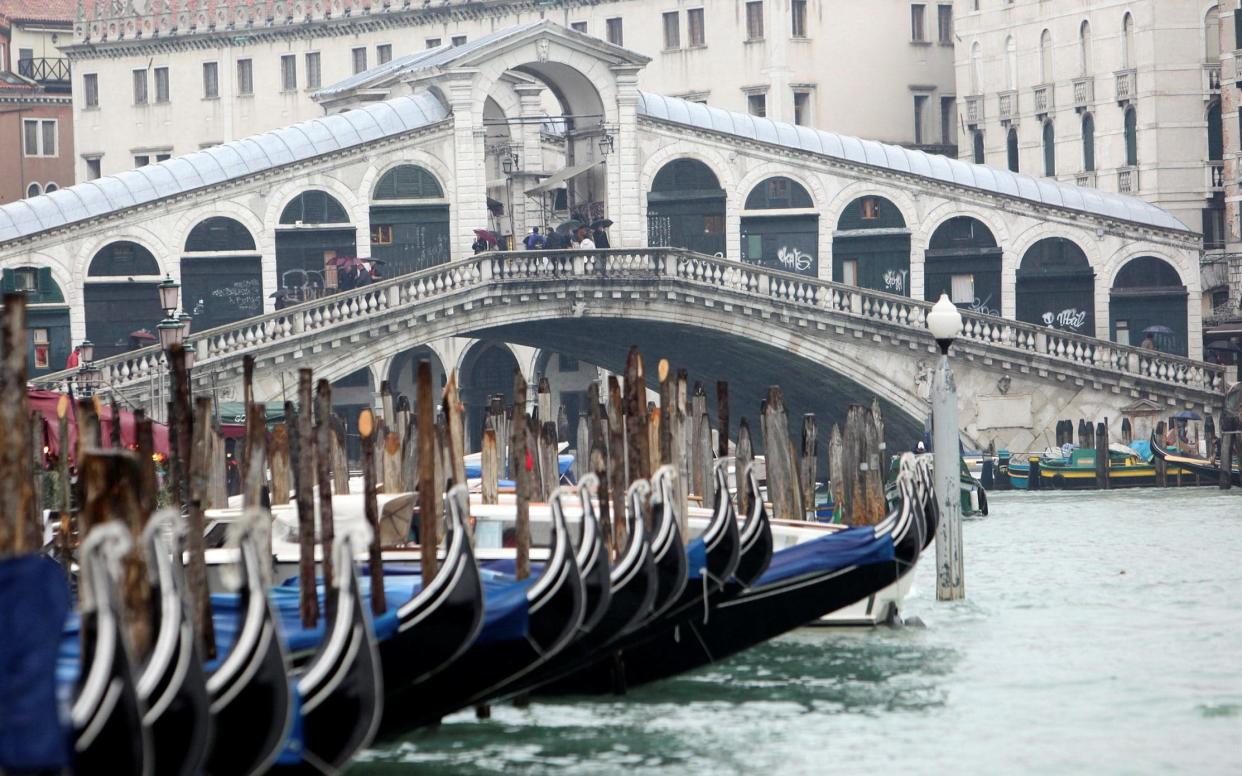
108,733
669,553
342,688
251,700
755,538
1211,471
802,583
490,669
173,684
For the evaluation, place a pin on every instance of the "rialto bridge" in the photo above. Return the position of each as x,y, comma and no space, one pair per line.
798,256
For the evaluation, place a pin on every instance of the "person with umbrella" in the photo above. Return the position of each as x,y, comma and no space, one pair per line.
584,239
601,236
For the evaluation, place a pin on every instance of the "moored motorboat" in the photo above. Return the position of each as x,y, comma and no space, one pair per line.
1209,470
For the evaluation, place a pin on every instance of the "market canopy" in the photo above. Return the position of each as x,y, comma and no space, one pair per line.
43,404
560,177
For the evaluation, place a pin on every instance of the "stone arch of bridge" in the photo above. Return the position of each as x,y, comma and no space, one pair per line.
716,162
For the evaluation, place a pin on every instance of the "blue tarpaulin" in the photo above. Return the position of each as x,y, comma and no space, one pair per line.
849,547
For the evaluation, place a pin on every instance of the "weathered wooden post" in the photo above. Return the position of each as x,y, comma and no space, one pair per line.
278,452
489,462
582,447
745,458
562,423
616,461
323,475
722,418
638,455
183,423
23,525
598,463
697,409
1209,436
1101,458
668,408
543,400
549,464
367,431
836,473
704,459
781,477
682,442
63,406
304,486
428,487
520,464
340,458
114,425
1229,427
1127,433
945,323
196,546
809,464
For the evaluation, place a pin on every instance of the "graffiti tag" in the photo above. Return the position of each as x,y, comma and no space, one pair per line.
895,280
981,306
1069,318
792,258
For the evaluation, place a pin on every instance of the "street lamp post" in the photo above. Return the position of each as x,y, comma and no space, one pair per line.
945,324
87,373
509,163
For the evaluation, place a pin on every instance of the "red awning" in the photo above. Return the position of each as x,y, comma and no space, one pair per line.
43,405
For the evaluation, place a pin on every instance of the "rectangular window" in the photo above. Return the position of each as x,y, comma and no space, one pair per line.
962,289
870,209
944,24
754,20
27,279
90,85
1122,337
383,53
161,84
578,26
288,72
312,70
211,81
41,348
920,118
754,246
360,59
918,29
802,108
948,120
433,43
162,157
140,87
458,40
142,160
93,168
615,36
245,77
672,31
39,137
797,15
381,234
694,21
849,272
757,104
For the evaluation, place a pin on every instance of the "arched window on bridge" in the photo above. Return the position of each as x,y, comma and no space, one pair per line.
788,239
314,232
486,371
221,273
121,300
871,246
964,261
1056,287
1148,298
686,208
47,317
409,221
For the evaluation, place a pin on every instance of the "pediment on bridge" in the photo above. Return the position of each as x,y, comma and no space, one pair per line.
1142,407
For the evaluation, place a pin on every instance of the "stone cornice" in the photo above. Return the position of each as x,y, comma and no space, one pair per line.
1183,240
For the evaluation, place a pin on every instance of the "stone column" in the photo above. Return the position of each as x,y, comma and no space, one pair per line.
526,210
468,157
630,229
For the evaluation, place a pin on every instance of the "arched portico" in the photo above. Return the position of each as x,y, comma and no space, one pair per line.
120,298
221,273
1148,299
963,260
871,246
1056,287
686,208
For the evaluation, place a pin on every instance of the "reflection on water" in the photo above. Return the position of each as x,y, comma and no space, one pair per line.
1101,634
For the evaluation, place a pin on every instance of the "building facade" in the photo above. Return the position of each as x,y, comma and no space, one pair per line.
1120,95
36,111
164,81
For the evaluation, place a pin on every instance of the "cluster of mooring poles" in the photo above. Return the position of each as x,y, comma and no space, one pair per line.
285,628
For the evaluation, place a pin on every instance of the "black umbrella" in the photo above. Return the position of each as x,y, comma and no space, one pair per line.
568,226
602,223
1225,346
1187,415
1157,329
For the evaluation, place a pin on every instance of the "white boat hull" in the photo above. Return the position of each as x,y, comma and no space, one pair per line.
875,609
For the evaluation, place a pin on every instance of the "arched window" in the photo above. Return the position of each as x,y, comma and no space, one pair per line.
1045,57
778,193
123,259
1215,133
1011,63
978,146
314,207
50,187
219,234
1088,142
1148,298
1050,150
1084,48
1131,133
33,190
686,208
121,298
1127,41
976,69
788,241
871,246
409,181
1211,34
1011,147
221,273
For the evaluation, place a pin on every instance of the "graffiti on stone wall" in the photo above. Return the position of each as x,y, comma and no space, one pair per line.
981,306
895,280
1069,318
792,258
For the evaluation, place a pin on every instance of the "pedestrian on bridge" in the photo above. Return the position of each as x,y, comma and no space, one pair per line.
534,241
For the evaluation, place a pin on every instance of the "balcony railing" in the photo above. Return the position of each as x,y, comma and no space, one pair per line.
1126,85
974,109
1084,92
44,69
1211,78
1007,105
1214,172
1128,180
1085,178
1044,99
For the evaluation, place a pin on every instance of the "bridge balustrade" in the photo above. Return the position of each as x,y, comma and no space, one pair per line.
298,326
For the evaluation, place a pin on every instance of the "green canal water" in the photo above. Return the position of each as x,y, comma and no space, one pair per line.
1101,634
